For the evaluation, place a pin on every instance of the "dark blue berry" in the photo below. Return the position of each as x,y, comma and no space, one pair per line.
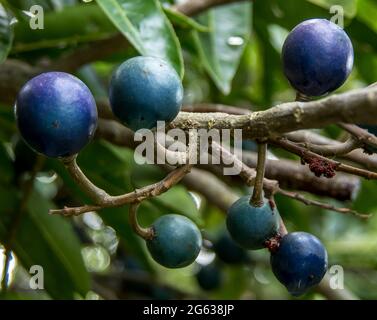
317,57
209,277
228,251
252,226
56,114
176,243
145,90
300,262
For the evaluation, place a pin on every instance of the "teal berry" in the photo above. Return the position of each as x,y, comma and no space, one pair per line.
144,90
56,114
252,226
209,277
176,242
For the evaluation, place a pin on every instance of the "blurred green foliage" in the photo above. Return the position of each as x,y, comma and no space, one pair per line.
229,55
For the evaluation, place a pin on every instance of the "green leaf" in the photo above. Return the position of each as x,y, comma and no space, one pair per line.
349,6
184,21
6,34
220,49
48,241
6,166
145,25
367,12
86,23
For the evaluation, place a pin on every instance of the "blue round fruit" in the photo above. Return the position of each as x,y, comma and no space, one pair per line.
252,226
56,114
209,277
317,57
177,241
144,90
300,262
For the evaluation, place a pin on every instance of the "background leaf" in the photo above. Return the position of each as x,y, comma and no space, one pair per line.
47,241
220,49
145,25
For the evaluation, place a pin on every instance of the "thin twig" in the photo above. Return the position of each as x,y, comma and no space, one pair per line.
360,134
272,187
335,150
257,196
145,233
319,164
310,202
104,200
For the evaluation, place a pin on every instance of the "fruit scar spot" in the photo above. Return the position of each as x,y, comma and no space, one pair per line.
273,243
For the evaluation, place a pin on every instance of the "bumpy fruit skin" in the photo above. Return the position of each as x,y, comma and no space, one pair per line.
56,114
300,262
251,226
209,277
228,251
317,57
144,90
176,243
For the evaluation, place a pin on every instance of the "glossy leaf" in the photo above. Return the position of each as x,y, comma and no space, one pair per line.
86,23
184,21
47,241
145,25
220,49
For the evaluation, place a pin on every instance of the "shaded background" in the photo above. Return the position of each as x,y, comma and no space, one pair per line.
231,55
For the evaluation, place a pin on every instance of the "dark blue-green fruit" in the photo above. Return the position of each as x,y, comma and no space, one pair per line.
228,251
317,57
176,242
249,145
144,90
300,262
209,277
252,226
56,114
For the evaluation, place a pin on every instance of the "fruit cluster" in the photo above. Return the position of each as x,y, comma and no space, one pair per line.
57,117
298,259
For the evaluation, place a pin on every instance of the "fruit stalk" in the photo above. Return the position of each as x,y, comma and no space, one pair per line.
257,197
145,233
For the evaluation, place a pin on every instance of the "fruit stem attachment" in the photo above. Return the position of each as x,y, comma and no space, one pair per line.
257,197
302,97
145,233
